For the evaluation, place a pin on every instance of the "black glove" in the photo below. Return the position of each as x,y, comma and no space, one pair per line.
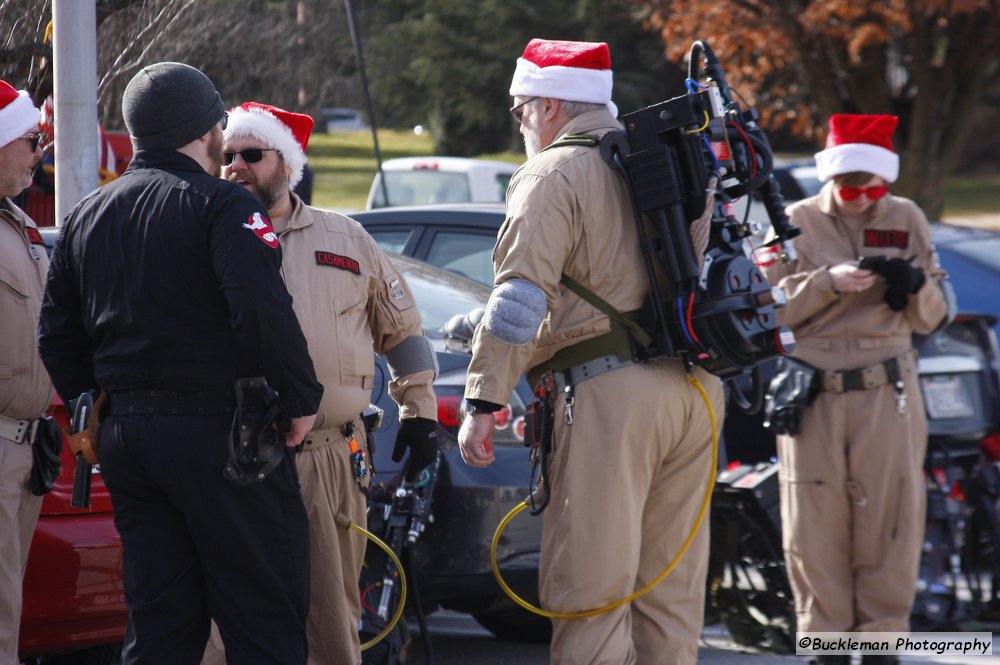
420,436
462,326
902,280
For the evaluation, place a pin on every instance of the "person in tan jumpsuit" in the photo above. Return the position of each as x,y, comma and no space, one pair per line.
631,454
25,390
852,490
352,303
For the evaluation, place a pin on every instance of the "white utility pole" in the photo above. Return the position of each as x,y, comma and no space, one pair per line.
74,49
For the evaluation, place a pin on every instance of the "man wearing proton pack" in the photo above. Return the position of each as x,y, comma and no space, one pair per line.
631,448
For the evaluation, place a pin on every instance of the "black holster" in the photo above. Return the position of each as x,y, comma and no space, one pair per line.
255,447
793,389
45,451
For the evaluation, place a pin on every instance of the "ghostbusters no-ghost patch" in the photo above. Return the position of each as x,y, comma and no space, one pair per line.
338,261
887,238
260,225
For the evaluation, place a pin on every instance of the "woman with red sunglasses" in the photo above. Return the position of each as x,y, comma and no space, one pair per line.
865,278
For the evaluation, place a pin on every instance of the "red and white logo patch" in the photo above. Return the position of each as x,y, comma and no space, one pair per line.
262,227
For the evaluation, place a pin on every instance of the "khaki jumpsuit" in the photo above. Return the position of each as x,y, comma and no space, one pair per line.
25,393
852,488
351,303
627,477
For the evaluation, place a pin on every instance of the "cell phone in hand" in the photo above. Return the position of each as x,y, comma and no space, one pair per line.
870,262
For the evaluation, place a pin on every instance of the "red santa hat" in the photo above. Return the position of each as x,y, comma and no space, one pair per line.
574,71
285,131
859,143
18,114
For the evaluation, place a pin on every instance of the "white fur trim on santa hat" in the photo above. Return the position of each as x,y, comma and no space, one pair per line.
19,116
852,157
276,134
574,84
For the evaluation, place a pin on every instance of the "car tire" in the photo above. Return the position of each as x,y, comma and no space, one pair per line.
105,654
515,625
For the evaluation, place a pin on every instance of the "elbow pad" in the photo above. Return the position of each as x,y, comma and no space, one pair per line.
514,311
414,354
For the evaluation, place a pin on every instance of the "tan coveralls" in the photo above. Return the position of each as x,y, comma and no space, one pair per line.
627,477
25,393
852,489
351,303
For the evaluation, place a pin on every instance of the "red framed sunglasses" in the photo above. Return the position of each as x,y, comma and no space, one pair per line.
873,193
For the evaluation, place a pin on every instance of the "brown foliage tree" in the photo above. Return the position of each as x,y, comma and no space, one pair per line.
799,61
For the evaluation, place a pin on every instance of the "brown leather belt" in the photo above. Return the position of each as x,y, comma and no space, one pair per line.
866,378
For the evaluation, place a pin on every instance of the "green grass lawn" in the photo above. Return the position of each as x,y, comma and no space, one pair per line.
344,166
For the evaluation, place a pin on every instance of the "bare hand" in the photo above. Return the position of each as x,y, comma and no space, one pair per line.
300,427
849,278
475,440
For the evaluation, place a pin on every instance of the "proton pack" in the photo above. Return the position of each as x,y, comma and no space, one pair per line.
688,158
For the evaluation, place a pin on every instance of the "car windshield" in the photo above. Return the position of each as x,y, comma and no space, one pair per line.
439,294
422,186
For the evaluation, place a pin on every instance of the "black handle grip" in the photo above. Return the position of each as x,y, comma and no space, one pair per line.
81,484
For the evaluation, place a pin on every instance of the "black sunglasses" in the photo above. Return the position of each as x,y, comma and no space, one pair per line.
33,138
224,121
250,155
518,112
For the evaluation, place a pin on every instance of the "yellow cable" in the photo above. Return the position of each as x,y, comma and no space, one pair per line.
402,584
582,614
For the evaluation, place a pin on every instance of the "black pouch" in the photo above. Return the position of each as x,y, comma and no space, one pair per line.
793,389
45,451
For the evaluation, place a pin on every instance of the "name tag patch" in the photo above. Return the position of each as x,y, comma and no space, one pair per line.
338,261
887,238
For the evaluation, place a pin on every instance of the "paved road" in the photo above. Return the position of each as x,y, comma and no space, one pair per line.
458,640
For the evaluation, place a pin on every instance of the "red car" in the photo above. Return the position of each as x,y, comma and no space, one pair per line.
74,599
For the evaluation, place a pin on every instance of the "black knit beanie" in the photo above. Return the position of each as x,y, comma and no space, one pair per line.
168,105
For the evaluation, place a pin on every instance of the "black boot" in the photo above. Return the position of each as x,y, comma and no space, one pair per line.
833,660
873,659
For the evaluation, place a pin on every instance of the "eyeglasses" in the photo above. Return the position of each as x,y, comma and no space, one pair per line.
518,112
874,193
33,138
224,121
250,155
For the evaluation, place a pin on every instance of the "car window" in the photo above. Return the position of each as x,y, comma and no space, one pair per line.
503,180
425,186
440,295
391,241
469,255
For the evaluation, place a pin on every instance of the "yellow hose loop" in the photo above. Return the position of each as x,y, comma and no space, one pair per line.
583,614
402,585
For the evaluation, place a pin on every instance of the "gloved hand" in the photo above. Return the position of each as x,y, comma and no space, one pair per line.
462,326
786,419
902,279
420,436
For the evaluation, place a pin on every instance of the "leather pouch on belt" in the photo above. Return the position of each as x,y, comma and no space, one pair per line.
84,442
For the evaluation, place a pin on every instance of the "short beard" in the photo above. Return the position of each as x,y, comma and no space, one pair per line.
215,155
531,144
271,192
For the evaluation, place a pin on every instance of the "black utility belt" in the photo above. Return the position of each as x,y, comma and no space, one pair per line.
864,378
170,402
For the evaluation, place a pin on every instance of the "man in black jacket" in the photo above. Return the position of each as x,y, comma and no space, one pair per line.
165,289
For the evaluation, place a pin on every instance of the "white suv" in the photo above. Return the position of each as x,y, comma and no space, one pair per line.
420,180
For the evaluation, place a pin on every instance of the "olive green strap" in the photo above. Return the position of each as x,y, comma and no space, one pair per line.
640,335
573,139
616,342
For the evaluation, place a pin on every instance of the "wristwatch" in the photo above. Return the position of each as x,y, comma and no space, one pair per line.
477,407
